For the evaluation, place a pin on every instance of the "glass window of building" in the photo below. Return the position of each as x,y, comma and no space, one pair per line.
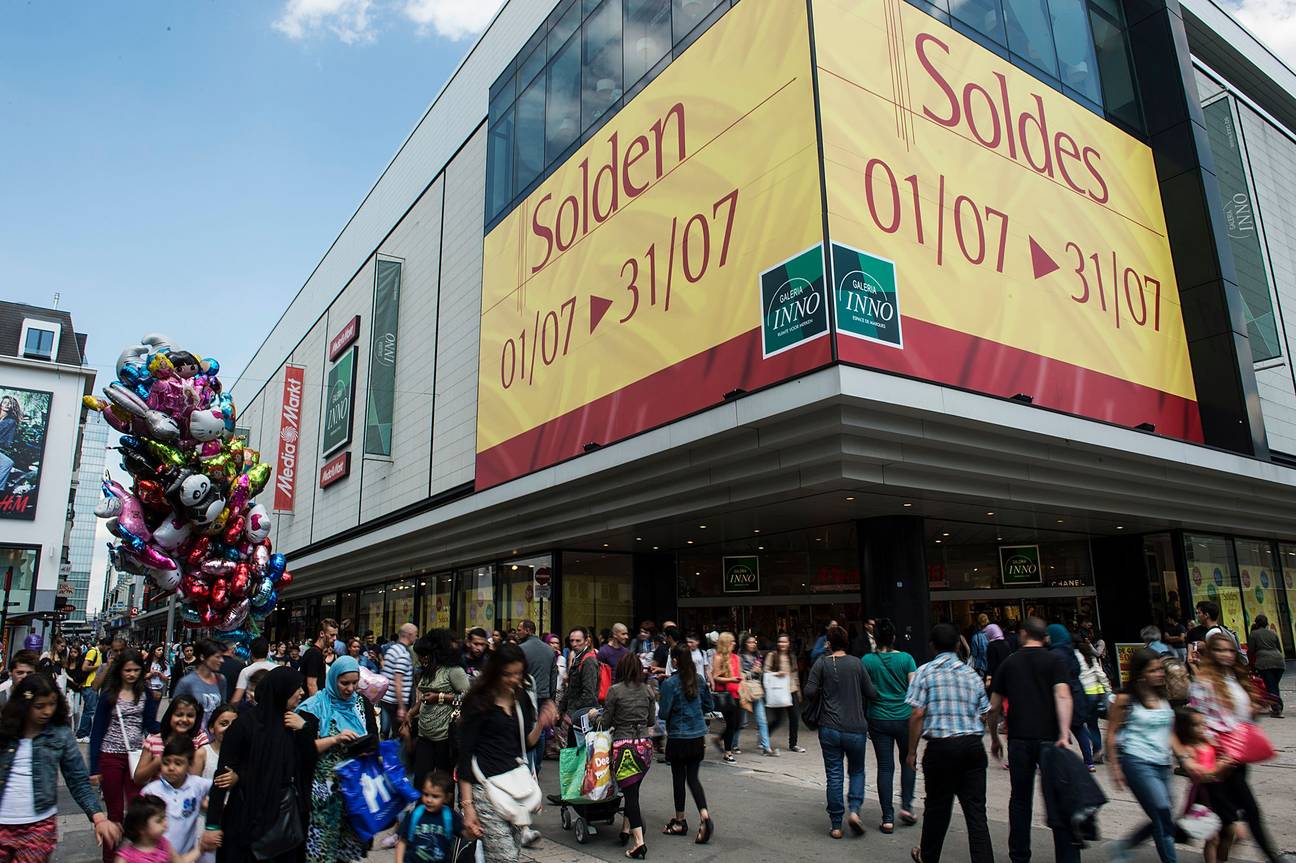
1030,34
1115,68
686,15
347,610
1259,581
563,114
1287,559
434,592
476,598
21,562
400,606
601,88
597,590
499,163
328,607
529,158
647,37
518,593
984,16
369,612
564,21
1212,575
1077,63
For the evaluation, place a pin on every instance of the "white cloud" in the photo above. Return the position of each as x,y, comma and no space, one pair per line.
1273,22
348,20
453,19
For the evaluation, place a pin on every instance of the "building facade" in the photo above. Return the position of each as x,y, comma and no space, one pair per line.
43,377
93,455
693,309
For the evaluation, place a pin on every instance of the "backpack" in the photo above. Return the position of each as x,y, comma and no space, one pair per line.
604,674
446,817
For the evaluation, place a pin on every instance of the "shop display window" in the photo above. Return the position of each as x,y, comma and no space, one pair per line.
1212,575
399,607
369,613
434,600
597,590
1287,560
1261,583
518,593
476,588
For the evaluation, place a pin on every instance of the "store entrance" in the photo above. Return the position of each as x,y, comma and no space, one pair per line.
1009,611
803,621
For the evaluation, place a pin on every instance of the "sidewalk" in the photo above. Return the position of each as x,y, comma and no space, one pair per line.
772,809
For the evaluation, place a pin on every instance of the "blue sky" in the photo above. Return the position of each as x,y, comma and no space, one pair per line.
181,167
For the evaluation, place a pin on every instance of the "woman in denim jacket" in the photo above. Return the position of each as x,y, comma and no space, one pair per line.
683,704
36,742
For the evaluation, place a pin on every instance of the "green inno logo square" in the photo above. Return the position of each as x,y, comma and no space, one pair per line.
793,302
866,296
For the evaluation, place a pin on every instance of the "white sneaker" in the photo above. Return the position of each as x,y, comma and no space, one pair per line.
83,739
530,838
389,841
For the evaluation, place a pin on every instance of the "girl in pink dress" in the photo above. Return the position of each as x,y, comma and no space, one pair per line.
145,828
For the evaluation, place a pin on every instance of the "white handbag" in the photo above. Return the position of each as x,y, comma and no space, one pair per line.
778,690
515,794
132,755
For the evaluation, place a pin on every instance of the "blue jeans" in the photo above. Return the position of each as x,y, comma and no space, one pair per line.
1150,784
887,734
89,701
851,748
1091,723
762,726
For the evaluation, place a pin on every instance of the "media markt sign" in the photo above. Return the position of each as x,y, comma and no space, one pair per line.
1020,564
792,302
865,295
742,575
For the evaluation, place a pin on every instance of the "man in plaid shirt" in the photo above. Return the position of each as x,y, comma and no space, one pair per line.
949,704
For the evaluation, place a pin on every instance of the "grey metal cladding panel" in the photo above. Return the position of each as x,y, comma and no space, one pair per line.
456,111
454,433
392,483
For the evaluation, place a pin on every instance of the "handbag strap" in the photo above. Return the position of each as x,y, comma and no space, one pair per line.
517,709
122,724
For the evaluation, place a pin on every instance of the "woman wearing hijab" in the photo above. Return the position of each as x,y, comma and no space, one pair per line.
343,717
1059,641
268,748
997,648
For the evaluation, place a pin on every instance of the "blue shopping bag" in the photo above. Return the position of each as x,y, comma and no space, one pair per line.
374,789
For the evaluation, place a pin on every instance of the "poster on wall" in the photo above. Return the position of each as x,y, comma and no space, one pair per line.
381,402
1020,564
742,574
339,401
1209,581
1259,593
939,158
24,425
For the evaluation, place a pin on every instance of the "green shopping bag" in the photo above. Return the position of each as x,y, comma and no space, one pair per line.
571,771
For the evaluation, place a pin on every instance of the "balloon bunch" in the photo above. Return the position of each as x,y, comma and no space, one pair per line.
188,522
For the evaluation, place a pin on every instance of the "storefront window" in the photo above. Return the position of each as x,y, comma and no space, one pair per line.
400,607
369,614
980,565
597,590
477,598
1287,556
1257,577
19,564
328,607
1163,579
518,592
1213,576
434,600
347,612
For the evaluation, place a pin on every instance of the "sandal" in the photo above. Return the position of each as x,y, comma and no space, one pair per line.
676,827
915,855
887,827
835,833
704,832
907,817
856,826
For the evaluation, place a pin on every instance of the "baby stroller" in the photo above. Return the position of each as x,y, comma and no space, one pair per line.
582,765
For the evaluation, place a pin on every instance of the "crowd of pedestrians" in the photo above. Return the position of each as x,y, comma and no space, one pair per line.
241,750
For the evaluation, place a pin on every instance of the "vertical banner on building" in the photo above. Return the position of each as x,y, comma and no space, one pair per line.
24,421
289,438
339,403
381,400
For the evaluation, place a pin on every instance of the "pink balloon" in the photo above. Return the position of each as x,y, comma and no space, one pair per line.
372,685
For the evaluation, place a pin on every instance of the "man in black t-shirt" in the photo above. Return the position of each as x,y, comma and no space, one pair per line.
1034,682
661,656
313,667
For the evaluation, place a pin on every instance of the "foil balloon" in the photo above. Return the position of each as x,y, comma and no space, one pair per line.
258,523
220,598
159,425
164,579
189,616
171,533
233,530
261,596
276,565
206,425
372,686
234,616
258,475
284,580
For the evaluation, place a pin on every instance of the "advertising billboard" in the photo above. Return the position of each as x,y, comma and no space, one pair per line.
677,256
339,401
990,233
289,437
24,425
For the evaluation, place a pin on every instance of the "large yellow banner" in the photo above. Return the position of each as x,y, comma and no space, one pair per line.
629,289
989,232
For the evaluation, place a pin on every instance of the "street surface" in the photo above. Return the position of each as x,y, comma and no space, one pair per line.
771,810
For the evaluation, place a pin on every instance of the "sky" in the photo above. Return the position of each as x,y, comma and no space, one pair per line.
182,167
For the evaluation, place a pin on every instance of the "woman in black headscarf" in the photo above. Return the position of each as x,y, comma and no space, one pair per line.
268,748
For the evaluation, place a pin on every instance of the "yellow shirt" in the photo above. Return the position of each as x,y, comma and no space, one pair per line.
98,663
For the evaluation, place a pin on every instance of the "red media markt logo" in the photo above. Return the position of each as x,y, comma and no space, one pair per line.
288,434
